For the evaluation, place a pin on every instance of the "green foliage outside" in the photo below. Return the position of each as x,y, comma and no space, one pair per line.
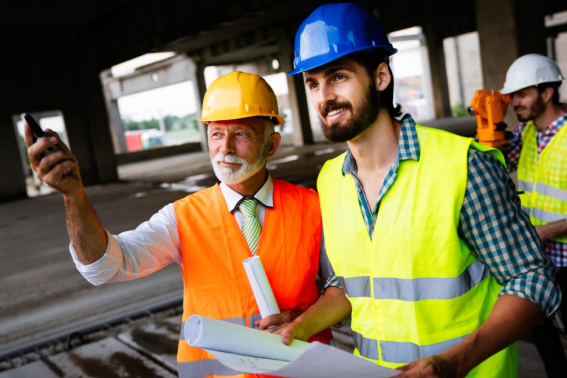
172,123
459,110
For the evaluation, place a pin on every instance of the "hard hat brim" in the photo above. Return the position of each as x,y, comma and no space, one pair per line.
280,120
511,90
314,62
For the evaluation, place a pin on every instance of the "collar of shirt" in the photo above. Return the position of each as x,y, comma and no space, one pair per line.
408,145
265,195
556,125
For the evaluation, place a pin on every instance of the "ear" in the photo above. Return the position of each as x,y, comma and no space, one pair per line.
382,77
274,143
547,94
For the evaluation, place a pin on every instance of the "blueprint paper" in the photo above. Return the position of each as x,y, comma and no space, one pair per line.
249,350
261,286
318,361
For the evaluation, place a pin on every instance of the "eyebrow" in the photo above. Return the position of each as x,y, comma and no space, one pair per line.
328,72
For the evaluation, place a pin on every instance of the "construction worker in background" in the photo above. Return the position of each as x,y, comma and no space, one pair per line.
208,233
538,151
441,270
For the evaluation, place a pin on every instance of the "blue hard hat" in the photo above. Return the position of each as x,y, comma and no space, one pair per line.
335,30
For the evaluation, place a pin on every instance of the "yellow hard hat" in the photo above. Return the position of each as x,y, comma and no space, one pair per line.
240,95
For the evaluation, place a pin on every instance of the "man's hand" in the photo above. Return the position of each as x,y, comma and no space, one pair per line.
60,169
293,330
430,367
278,320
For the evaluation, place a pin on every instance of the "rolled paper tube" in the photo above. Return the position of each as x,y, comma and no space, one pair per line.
261,286
217,335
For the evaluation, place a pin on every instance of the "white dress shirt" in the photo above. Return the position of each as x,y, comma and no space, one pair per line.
154,244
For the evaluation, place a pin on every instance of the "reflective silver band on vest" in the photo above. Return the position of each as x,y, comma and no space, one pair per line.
203,368
356,287
551,191
526,186
547,216
400,352
239,321
526,210
417,289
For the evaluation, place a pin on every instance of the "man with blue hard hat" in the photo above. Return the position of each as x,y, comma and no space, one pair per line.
432,255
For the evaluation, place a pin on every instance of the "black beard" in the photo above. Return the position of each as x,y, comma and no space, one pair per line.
535,110
360,120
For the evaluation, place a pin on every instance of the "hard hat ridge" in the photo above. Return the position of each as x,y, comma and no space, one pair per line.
336,30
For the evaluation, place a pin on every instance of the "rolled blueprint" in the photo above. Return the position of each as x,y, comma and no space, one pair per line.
261,286
217,335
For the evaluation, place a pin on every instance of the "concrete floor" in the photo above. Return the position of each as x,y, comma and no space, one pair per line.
42,295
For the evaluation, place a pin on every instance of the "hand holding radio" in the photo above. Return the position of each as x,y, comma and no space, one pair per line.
51,159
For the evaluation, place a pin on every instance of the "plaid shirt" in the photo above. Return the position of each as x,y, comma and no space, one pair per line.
557,251
491,223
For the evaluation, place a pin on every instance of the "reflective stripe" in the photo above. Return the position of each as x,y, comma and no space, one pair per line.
527,210
551,191
418,289
366,347
526,186
239,321
547,216
356,286
203,368
253,319
404,353
400,352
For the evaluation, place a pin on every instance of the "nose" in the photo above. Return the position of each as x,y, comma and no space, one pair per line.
514,100
226,145
325,94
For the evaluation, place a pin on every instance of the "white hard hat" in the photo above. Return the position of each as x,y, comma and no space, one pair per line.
531,69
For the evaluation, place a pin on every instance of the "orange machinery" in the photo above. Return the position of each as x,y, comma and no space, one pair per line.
489,108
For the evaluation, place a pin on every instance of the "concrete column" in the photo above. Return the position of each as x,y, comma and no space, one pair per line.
12,180
441,100
498,39
200,90
100,150
114,119
302,133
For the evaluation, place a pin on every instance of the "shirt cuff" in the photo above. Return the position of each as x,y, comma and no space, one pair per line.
105,268
537,287
332,281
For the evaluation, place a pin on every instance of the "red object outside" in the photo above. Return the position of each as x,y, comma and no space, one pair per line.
133,142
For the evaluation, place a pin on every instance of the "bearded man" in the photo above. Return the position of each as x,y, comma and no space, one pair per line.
538,151
208,233
439,268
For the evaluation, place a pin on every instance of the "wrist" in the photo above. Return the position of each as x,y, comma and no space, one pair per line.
460,358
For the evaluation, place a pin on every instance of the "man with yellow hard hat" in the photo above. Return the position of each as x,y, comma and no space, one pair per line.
208,233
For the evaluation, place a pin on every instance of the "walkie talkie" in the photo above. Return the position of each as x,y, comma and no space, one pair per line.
39,133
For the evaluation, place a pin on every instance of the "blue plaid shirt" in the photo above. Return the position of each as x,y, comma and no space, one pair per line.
491,223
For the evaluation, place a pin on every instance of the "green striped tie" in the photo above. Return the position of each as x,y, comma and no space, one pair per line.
251,229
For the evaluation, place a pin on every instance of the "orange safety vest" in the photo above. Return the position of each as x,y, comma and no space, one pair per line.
215,282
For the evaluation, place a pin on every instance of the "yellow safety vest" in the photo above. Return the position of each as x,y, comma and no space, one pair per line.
415,287
544,183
